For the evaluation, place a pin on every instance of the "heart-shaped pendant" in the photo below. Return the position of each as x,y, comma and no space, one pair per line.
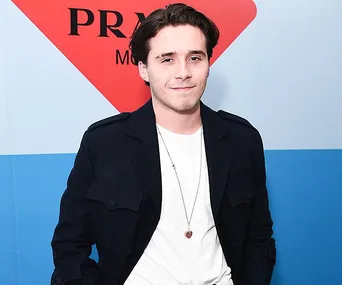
188,234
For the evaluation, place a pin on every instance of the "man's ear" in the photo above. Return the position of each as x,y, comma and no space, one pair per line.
143,71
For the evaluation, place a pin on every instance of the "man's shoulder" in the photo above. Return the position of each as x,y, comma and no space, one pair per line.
243,130
235,119
109,121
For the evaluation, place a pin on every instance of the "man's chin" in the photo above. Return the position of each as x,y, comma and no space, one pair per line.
188,108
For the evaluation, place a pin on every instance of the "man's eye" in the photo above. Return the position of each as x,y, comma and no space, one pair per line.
167,60
195,58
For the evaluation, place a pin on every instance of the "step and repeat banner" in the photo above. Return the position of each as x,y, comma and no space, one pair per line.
66,64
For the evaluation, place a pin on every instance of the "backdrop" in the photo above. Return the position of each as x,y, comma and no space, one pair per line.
65,64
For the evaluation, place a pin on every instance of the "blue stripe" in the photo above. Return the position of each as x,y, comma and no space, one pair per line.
304,188
305,198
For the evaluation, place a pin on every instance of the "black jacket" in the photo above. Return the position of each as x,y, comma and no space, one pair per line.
113,199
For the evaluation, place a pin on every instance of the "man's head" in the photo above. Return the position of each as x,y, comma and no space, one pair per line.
172,48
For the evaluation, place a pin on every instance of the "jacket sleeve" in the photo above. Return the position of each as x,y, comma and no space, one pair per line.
72,240
260,252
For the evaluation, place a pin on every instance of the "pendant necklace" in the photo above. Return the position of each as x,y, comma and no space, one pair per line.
189,232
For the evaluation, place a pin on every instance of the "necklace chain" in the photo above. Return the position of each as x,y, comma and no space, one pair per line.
178,180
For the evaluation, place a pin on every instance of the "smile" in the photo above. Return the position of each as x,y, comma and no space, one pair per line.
182,88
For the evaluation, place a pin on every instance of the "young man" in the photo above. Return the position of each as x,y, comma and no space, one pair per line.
173,193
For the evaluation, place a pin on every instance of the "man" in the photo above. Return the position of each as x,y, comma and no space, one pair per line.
174,192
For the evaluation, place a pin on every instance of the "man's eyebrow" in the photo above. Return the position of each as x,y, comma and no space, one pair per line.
201,52
191,52
171,53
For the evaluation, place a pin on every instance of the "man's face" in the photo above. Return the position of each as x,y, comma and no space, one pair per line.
177,68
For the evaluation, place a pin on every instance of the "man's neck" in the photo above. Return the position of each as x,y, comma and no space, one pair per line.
180,123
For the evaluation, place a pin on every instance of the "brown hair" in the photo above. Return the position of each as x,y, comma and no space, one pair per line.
172,15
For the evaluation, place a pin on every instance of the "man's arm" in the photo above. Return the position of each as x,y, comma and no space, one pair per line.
72,240
260,253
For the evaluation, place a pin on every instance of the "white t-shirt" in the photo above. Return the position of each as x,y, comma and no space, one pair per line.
170,258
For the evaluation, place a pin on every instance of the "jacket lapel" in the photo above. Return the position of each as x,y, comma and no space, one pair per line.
144,150
218,152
